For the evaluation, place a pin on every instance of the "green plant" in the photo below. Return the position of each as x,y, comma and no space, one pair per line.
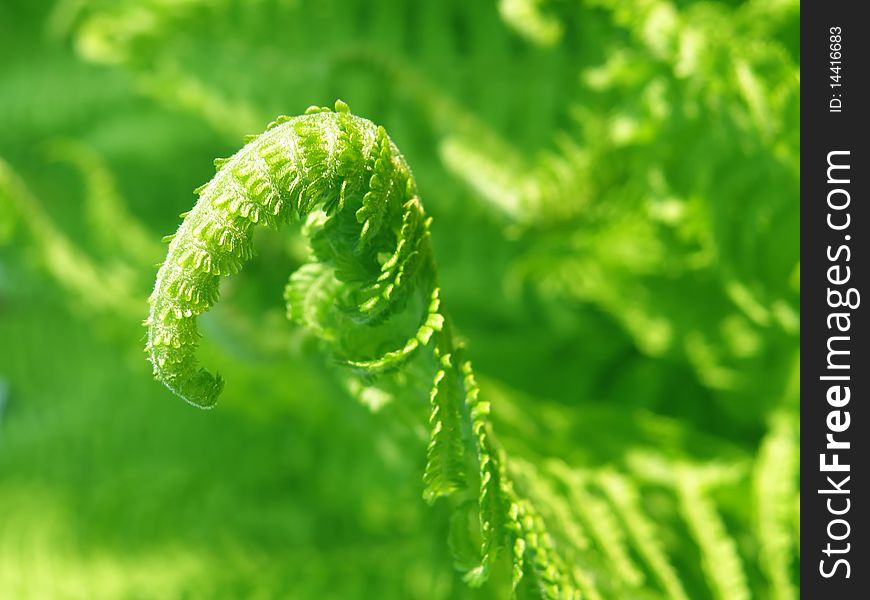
613,188
370,255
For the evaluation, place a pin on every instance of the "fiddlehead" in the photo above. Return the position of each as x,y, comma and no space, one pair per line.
370,263
367,230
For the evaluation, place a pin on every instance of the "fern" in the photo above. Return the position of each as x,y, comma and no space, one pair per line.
95,287
108,217
583,153
642,532
332,162
370,254
718,549
600,520
775,484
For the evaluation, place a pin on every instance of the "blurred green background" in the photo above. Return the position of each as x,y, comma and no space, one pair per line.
614,188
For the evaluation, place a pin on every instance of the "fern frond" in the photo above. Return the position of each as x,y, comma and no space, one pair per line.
92,285
497,507
370,253
624,498
445,460
774,487
115,228
539,572
592,573
509,520
309,293
593,152
170,86
719,556
598,518
322,160
394,359
500,178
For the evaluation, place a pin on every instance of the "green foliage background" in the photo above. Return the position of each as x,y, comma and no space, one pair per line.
614,188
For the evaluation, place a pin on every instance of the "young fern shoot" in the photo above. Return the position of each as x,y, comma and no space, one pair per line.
371,260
